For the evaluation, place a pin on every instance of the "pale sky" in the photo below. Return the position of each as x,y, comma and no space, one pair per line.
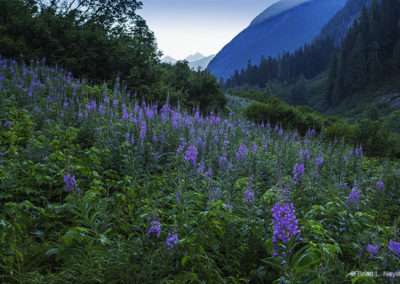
183,27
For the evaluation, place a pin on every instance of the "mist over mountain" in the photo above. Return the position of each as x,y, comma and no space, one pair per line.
168,59
283,27
202,63
195,57
195,61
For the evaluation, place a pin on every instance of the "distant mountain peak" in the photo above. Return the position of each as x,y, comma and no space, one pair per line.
168,59
195,57
276,9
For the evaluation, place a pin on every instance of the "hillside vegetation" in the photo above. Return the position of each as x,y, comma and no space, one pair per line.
357,80
97,187
127,170
108,40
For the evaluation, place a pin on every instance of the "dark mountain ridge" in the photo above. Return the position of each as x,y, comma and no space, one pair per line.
279,33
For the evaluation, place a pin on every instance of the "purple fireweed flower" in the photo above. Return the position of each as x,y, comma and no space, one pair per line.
285,223
373,250
223,161
191,155
255,148
106,100
380,185
394,248
142,134
319,161
276,128
200,169
354,197
345,160
154,229
242,152
209,173
298,172
125,114
7,124
70,183
310,133
249,196
172,240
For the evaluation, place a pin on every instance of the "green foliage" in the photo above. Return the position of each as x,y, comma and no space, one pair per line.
101,42
374,136
368,53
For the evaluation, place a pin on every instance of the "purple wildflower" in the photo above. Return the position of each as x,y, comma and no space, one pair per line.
395,248
70,183
354,197
373,250
242,152
142,134
319,161
285,223
191,155
200,169
154,229
7,124
380,185
209,173
298,171
255,148
249,196
171,240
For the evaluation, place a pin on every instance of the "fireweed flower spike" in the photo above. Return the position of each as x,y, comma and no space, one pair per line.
285,223
154,229
354,197
373,250
191,155
70,183
298,172
394,248
380,185
242,152
172,240
319,161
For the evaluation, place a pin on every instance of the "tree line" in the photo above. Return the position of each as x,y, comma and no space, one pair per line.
101,40
369,56
370,53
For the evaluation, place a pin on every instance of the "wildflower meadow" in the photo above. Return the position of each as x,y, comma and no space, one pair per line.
98,185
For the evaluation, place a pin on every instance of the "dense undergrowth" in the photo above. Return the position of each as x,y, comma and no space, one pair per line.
376,136
98,188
